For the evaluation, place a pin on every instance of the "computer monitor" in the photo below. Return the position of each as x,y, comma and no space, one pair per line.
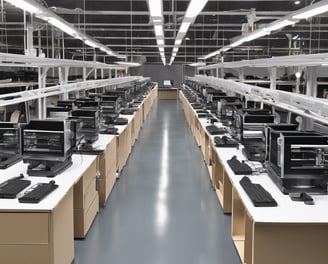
167,83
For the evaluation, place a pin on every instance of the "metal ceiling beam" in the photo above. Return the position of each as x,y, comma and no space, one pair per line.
65,11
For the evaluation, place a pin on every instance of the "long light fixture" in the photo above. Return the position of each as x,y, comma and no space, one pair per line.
128,64
291,19
45,14
156,16
313,10
26,6
279,25
194,8
61,25
91,43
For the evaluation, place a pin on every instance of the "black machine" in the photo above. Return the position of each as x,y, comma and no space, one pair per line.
110,107
47,147
58,112
227,106
86,129
250,128
10,144
298,161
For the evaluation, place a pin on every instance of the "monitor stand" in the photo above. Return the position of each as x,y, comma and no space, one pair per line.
298,184
7,161
46,168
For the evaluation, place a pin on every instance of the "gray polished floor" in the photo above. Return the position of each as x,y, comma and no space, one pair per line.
162,209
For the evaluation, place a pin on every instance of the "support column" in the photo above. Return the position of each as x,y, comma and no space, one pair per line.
63,79
42,102
241,75
273,78
311,81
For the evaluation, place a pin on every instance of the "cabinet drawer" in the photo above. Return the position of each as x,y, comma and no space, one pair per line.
24,228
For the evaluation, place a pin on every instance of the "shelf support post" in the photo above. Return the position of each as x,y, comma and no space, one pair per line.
311,81
42,102
273,78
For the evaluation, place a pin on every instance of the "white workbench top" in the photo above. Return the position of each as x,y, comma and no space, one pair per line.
287,211
65,180
103,141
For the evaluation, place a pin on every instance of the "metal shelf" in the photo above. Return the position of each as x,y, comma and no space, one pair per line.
307,106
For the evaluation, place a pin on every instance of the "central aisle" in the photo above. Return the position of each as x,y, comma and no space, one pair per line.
162,209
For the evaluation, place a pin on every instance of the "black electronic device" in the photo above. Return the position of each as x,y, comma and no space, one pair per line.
239,168
258,195
66,104
121,121
58,112
214,130
254,150
10,188
38,192
47,146
225,142
110,130
298,161
128,111
10,144
250,127
86,130
302,197
92,105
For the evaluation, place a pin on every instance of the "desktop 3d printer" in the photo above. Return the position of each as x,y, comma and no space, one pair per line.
86,130
10,143
47,147
298,161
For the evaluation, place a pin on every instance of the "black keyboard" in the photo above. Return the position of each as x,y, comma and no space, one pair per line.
225,142
9,189
239,168
120,121
214,130
259,196
37,192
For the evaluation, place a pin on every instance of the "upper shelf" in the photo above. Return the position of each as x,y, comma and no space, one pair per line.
314,108
16,60
308,60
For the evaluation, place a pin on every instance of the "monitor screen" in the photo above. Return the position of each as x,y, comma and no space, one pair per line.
167,82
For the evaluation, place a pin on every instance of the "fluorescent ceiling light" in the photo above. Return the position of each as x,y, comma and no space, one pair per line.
62,26
256,35
159,30
195,7
184,27
178,42
161,49
91,43
24,5
197,64
175,49
130,64
313,11
279,25
160,41
237,43
155,8
224,49
164,61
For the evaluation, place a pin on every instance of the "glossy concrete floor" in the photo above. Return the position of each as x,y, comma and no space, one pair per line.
162,209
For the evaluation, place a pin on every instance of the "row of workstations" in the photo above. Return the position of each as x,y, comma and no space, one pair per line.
44,232
291,232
